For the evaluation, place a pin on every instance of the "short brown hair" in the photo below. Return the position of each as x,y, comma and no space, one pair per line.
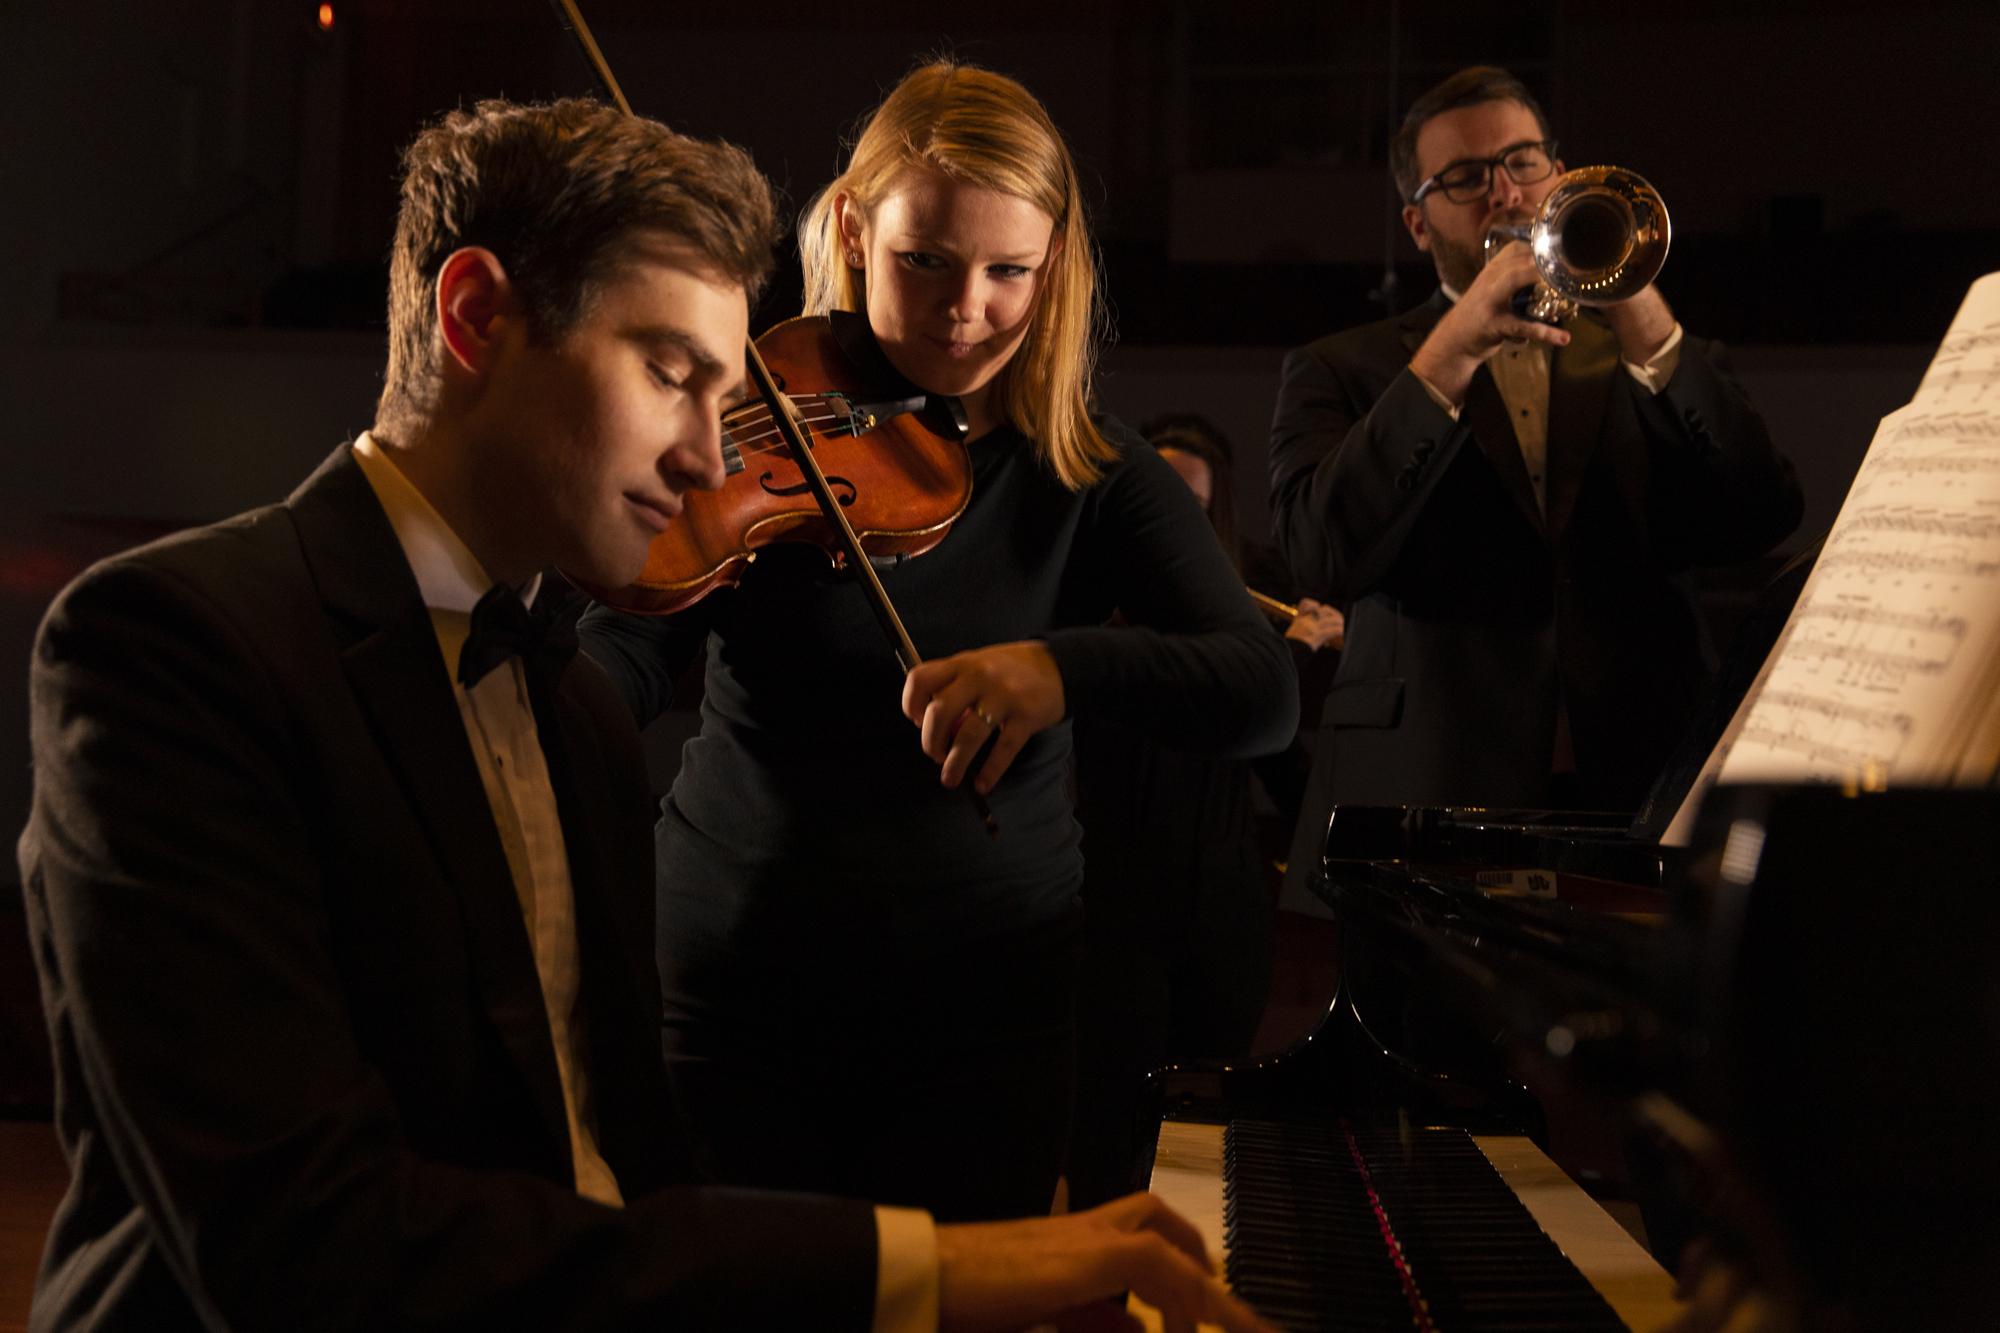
1468,87
552,190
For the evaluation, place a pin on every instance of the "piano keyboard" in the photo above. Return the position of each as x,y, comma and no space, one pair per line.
1322,1227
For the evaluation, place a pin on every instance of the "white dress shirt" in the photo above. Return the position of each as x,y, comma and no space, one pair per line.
500,726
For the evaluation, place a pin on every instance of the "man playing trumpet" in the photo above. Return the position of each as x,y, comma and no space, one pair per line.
1509,511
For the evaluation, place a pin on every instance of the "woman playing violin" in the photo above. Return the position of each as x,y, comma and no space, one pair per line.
865,992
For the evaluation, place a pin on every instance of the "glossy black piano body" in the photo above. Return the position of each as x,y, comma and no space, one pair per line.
1801,1011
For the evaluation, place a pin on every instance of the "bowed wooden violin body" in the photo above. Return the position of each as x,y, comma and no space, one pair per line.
894,459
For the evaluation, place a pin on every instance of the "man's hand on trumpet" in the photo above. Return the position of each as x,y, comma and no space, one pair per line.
1480,322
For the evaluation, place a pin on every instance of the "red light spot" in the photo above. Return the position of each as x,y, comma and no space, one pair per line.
326,18
36,572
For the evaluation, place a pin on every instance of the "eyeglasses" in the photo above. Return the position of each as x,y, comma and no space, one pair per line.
1463,182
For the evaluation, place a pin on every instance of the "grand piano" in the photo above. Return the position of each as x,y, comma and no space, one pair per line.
1782,1041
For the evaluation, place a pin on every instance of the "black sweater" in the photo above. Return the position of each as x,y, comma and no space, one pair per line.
805,765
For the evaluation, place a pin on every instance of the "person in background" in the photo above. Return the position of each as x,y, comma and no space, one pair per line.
1178,877
1509,512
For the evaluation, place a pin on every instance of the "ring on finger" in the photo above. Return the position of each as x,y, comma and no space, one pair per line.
991,723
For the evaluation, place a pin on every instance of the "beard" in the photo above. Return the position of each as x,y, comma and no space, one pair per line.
1458,265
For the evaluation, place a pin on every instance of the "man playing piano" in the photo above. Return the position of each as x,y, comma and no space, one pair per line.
339,871
1509,511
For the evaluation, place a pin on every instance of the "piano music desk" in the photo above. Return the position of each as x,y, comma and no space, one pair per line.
1187,1173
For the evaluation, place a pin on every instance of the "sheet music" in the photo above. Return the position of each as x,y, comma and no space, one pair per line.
1885,673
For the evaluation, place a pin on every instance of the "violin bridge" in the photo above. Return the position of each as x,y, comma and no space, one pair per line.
864,417
847,419
854,420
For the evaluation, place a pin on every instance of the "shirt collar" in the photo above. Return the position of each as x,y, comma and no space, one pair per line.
449,576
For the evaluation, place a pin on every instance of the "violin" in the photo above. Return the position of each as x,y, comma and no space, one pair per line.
894,459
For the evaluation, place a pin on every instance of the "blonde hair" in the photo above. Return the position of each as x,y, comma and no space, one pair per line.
986,130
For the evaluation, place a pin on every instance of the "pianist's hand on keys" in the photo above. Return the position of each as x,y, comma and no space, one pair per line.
1008,1275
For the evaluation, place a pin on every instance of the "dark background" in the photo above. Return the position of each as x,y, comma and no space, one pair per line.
199,197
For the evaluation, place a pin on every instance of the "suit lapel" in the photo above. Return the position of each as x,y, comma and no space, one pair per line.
1484,414
1580,379
397,672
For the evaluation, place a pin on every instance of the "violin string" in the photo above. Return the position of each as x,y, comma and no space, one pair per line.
766,423
760,410
747,445
758,407
758,414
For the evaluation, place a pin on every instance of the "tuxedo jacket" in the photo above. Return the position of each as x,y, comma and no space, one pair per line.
1471,611
304,1072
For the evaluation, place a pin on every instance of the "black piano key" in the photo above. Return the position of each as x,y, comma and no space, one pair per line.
1306,1242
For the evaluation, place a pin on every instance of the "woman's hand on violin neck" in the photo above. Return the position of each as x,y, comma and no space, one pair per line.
1005,694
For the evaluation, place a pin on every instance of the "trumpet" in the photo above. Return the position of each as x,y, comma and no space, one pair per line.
1599,237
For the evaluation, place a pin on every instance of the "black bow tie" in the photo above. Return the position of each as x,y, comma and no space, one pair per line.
502,628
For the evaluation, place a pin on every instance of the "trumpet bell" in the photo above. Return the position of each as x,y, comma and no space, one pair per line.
1599,237
1603,235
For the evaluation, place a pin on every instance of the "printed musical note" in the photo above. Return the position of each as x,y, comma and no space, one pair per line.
1927,523
1833,710
1908,562
1819,754
1956,427
1817,649
1854,613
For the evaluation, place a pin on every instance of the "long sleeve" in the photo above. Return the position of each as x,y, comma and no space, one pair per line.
1284,774
1351,473
644,655
1196,667
1732,494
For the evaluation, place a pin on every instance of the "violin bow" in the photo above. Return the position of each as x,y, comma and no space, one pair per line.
785,416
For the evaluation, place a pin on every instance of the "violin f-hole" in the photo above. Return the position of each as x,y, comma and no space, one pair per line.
843,489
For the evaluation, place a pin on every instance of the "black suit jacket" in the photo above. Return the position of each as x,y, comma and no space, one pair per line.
1470,612
305,1077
